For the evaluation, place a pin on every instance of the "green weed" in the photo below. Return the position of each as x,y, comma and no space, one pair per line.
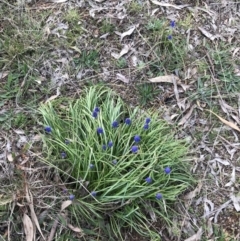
75,28
121,63
224,67
88,59
135,7
125,163
107,27
146,93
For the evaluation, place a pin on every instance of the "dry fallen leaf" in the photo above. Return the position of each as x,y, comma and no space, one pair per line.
65,204
3,74
53,96
28,227
164,79
207,34
230,124
57,1
75,229
122,78
124,51
236,201
196,237
29,199
127,33
10,157
186,117
195,192
169,5
169,79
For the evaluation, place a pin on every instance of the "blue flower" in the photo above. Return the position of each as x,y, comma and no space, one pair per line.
100,130
93,194
115,124
158,196
97,109
146,126
167,170
148,120
134,149
114,162
104,147
91,166
67,141
137,138
94,114
128,121
169,37
71,197
172,24
48,129
148,180
110,144
63,155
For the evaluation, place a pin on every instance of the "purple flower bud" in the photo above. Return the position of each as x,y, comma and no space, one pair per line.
169,37
158,196
148,180
71,197
63,155
97,109
172,24
148,120
114,162
104,147
93,194
95,114
100,130
110,144
115,124
137,138
128,121
48,129
167,170
145,127
134,149
67,141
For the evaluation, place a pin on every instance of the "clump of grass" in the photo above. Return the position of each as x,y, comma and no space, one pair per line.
107,27
169,51
121,63
127,164
135,7
89,59
146,93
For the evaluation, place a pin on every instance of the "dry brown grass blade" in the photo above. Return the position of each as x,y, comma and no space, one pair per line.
187,116
28,227
33,214
64,205
196,237
230,124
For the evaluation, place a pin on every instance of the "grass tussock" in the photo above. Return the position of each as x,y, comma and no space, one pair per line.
128,163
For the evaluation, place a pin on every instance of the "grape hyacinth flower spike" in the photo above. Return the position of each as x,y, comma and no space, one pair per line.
148,180
128,121
158,196
167,170
137,138
134,149
100,130
115,124
48,129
